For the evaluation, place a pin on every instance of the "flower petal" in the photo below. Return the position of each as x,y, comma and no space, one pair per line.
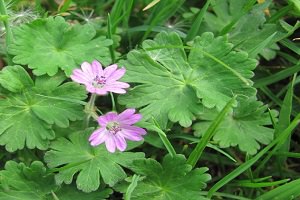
101,91
133,129
133,119
120,142
117,84
97,68
116,75
98,137
110,69
79,77
128,117
87,69
108,117
90,88
126,113
133,136
110,144
116,90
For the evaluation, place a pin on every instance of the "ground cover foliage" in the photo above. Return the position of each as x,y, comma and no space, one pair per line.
213,83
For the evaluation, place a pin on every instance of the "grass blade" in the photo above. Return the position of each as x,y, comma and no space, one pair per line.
289,154
287,191
261,184
155,127
279,14
196,153
291,45
109,36
245,9
209,145
115,14
254,51
161,13
192,33
166,142
277,77
226,195
229,177
132,186
151,4
284,120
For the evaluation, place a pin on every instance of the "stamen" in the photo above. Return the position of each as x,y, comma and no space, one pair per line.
99,81
113,127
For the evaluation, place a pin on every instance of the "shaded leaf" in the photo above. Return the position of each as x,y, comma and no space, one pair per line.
21,182
68,192
244,126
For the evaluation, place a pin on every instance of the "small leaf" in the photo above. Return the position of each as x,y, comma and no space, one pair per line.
15,79
26,117
173,179
21,182
46,45
69,192
243,126
78,156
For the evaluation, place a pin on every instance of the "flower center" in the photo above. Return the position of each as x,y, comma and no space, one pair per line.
99,81
113,127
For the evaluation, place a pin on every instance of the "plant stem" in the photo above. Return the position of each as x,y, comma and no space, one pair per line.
9,35
113,102
90,109
164,138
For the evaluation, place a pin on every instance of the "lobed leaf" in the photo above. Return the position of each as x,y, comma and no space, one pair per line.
174,85
173,179
76,155
27,113
46,45
21,182
244,126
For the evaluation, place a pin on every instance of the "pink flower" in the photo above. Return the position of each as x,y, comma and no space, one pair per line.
114,129
100,81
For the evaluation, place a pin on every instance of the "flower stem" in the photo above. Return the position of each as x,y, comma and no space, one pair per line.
113,102
90,109
9,35
164,138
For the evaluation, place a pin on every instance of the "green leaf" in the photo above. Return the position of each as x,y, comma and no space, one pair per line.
172,84
27,116
68,192
76,155
243,126
21,182
224,12
46,45
20,78
173,179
